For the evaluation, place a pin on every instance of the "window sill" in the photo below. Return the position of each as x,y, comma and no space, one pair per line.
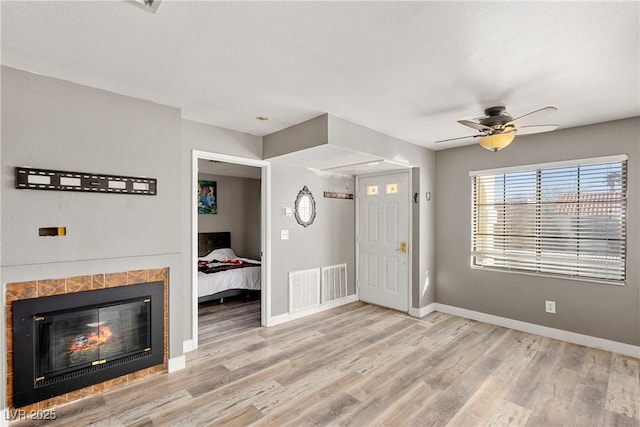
549,275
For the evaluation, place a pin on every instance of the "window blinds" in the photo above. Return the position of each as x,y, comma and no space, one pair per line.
559,219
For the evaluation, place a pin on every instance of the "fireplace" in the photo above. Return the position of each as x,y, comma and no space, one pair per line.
66,342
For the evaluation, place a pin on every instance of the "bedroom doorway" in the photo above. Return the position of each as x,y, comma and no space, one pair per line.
229,215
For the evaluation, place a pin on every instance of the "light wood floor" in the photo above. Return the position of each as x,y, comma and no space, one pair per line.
361,365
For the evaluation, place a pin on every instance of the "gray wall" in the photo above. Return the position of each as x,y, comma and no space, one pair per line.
350,135
212,139
339,133
305,135
329,240
600,310
238,212
53,124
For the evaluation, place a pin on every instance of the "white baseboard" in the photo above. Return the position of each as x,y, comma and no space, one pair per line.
177,363
422,311
545,331
188,346
287,317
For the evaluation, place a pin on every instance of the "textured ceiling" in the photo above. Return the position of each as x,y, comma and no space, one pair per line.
409,70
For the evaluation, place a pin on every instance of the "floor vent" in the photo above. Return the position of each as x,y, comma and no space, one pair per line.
304,289
334,282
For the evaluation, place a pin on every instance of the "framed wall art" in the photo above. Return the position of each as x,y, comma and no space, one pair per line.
207,197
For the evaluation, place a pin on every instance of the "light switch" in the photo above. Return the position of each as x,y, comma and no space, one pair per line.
284,234
287,212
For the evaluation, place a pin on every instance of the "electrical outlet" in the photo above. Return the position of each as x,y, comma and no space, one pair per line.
284,234
550,307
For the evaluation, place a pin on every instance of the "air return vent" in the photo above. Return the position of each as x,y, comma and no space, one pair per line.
304,289
334,282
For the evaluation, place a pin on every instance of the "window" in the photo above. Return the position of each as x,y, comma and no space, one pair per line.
564,219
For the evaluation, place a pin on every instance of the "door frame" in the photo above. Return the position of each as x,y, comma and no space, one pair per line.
265,231
410,228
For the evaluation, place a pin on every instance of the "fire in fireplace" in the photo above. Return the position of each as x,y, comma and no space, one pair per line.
66,342
91,342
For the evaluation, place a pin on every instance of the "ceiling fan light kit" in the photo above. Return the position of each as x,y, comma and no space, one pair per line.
498,129
496,141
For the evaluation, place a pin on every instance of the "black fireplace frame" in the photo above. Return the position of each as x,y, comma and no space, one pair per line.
27,390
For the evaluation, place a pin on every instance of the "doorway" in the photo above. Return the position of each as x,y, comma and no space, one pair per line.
383,240
265,244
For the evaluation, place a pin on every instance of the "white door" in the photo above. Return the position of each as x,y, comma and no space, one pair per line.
383,240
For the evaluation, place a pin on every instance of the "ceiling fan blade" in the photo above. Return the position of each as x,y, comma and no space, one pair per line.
534,115
462,137
476,126
526,130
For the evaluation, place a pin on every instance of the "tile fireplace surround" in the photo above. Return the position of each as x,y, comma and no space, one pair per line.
45,288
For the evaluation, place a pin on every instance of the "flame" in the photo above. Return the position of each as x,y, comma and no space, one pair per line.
93,340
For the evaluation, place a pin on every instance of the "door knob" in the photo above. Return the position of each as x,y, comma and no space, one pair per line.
403,247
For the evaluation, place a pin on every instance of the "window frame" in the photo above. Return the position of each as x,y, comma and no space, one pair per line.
538,169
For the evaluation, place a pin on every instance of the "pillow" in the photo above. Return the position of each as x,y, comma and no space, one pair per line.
224,254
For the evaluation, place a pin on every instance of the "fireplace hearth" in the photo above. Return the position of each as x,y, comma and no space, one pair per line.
67,342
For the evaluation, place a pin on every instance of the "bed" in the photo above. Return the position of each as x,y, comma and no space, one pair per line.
221,273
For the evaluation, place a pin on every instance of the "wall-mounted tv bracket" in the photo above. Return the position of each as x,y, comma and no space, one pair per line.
45,179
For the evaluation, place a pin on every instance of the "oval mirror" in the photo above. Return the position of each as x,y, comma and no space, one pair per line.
305,208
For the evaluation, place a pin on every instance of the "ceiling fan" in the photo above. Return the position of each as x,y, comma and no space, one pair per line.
497,128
